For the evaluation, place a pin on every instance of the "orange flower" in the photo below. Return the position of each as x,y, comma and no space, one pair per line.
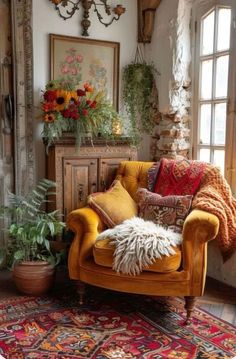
62,100
88,88
50,117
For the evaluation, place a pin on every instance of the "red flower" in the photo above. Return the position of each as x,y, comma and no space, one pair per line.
88,102
74,115
81,92
93,104
48,106
50,96
85,112
66,113
72,106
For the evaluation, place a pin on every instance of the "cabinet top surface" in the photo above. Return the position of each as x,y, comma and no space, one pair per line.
70,141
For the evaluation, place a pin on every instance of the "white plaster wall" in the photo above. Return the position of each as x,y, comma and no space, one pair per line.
224,272
160,50
46,21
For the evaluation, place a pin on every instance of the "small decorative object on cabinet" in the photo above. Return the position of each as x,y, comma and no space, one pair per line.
79,173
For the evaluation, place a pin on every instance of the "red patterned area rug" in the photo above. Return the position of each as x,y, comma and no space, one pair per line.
110,326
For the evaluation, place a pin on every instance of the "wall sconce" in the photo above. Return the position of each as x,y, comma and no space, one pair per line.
67,8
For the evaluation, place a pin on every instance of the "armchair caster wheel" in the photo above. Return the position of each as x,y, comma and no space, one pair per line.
81,291
189,306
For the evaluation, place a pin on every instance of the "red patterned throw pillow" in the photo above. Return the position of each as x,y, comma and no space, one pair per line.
168,211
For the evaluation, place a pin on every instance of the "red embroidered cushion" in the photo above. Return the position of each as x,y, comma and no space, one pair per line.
168,211
179,177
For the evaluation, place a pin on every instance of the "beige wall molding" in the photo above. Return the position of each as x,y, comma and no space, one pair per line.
23,95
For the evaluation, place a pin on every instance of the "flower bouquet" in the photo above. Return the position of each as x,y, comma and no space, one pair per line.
76,110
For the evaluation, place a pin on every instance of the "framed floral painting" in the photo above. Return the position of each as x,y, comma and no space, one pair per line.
80,61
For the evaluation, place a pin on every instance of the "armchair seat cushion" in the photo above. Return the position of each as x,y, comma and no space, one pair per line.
103,255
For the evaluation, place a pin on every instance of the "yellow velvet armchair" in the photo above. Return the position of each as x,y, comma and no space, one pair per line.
182,274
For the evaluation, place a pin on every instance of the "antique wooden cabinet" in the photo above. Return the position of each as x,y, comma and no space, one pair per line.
79,172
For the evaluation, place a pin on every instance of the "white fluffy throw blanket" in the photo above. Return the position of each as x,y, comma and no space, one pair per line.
138,243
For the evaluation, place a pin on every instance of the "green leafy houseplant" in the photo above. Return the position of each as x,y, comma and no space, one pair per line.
30,226
138,82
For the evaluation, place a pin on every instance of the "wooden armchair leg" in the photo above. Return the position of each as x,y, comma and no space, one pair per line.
81,291
189,306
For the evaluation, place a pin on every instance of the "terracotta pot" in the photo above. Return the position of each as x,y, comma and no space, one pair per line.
33,278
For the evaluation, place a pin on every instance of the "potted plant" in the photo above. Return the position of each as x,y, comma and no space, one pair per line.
28,252
138,85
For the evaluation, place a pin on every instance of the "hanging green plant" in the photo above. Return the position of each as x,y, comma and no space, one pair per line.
138,83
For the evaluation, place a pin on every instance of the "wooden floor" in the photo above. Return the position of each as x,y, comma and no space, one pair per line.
219,299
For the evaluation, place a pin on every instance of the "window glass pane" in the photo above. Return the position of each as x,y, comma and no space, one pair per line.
220,124
222,64
223,37
208,34
204,154
205,124
219,159
206,79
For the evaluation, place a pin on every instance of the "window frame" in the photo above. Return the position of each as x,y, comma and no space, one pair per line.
200,11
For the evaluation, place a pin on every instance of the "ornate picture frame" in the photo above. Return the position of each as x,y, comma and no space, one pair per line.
87,60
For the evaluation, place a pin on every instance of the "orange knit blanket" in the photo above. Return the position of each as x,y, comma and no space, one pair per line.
214,196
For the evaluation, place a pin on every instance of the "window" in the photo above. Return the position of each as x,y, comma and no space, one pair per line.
214,85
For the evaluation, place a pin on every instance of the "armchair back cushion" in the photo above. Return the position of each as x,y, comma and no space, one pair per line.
133,175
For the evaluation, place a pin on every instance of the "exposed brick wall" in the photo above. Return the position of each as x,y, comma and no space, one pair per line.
171,137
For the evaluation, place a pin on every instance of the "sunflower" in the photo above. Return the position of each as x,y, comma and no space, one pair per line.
50,117
62,99
73,96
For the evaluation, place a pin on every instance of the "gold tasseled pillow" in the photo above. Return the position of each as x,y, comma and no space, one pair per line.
113,206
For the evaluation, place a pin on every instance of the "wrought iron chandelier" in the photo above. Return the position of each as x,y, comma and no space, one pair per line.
67,8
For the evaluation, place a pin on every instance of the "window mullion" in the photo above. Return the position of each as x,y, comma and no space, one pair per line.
213,85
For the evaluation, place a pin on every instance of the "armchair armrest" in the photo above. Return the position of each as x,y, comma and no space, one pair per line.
200,225
199,228
86,225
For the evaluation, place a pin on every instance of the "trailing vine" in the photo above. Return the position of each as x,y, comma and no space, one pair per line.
138,82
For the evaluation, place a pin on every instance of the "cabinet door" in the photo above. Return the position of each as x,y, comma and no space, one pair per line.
80,179
108,167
